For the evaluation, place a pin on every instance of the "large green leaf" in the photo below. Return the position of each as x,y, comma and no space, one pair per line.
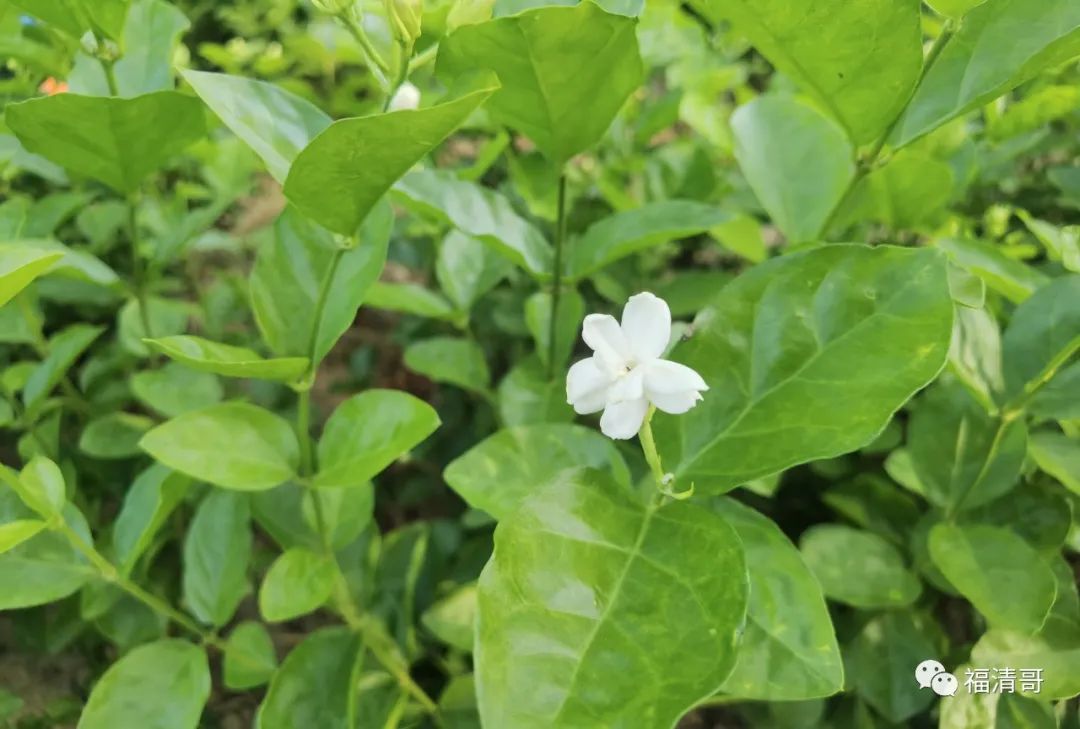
479,212
1042,335
247,106
778,349
315,685
65,348
117,141
798,161
217,550
625,233
963,457
582,575
979,560
250,659
290,274
233,445
368,432
788,650
338,178
298,582
565,72
162,685
500,472
20,265
1055,649
858,60
858,568
227,360
999,45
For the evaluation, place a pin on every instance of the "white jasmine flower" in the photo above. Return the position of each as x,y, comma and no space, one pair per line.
625,373
406,97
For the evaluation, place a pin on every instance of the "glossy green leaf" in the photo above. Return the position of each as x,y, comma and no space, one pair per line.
979,560
962,456
527,396
568,328
117,141
788,650
1055,649
858,568
1011,278
227,360
14,533
478,212
410,298
292,270
626,233
503,470
339,177
467,269
975,355
453,619
297,583
250,658
315,684
64,349
368,432
152,498
217,550
987,57
582,572
798,162
245,105
1043,334
911,189
776,349
565,72
882,661
175,389
115,435
233,445
163,685
458,362
20,265
859,63
1058,455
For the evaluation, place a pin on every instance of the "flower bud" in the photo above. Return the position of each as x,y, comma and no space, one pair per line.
406,97
405,18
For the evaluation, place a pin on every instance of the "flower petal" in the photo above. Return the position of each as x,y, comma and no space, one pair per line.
603,335
587,386
630,386
622,420
676,403
663,377
646,324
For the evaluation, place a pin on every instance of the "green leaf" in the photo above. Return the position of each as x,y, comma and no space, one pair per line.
860,62
338,178
979,560
858,568
1059,399
798,162
174,389
1010,278
410,298
909,190
538,320
882,661
584,573
163,685
975,355
1058,455
480,213
64,348
565,72
233,445
1055,649
788,650
115,435
117,141
152,498
625,233
953,8
987,57
454,361
297,583
527,396
368,432
20,265
1042,335
777,349
14,533
962,456
245,105
315,684
167,316
453,619
1041,514
292,270
250,658
227,360
467,269
503,470
217,550
151,30
42,487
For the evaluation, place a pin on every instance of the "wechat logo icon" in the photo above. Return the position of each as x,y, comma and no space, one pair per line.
931,674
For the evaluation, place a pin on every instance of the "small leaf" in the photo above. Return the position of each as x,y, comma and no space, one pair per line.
538,320
1058,455
174,389
1055,649
227,360
528,396
882,661
217,550
43,488
233,445
409,298
153,496
315,685
164,685
115,435
250,658
453,619
340,176
467,269
20,265
298,582
1043,333
858,568
14,533
1011,278
458,362
64,348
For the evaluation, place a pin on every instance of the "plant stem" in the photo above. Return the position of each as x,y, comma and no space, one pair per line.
303,430
424,57
556,290
110,75
320,306
648,446
404,52
379,67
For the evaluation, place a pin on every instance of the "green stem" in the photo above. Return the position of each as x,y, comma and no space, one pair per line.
110,75
424,57
320,306
303,431
379,67
1018,403
556,291
404,52
648,446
